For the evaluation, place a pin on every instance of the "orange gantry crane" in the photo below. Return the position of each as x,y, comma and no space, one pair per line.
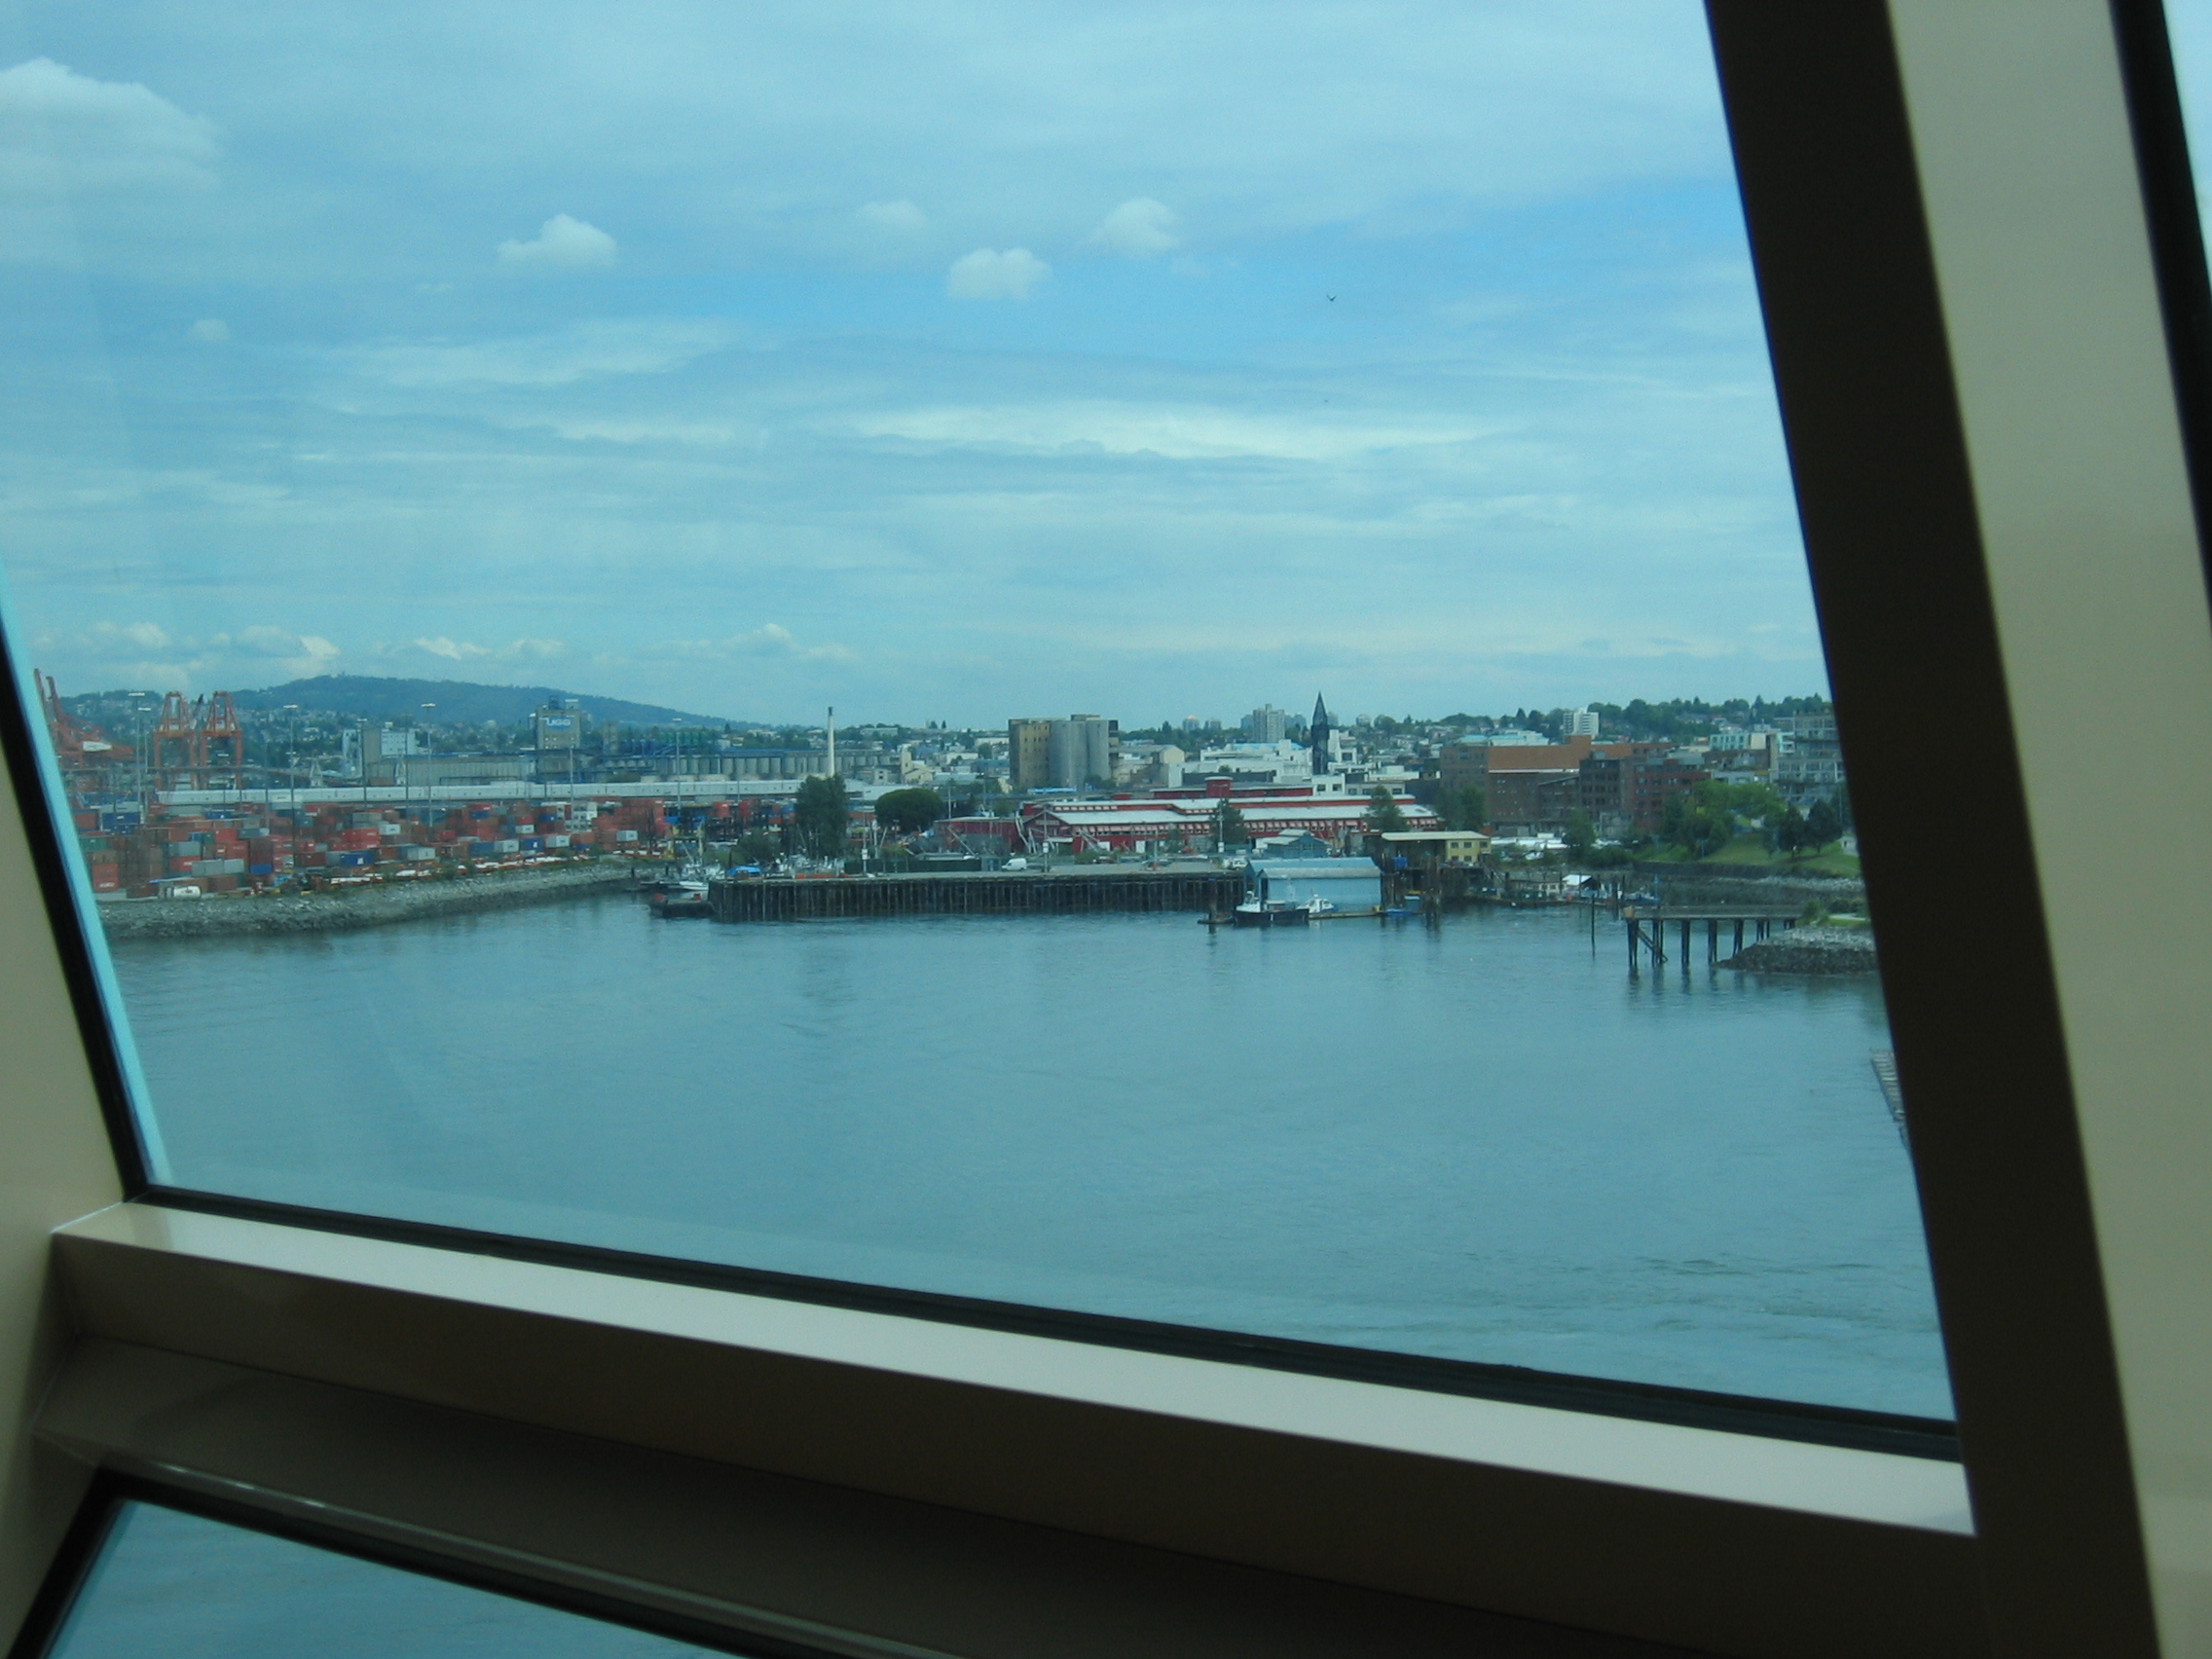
197,746
88,760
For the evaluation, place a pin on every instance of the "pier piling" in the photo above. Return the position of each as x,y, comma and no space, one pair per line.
1212,893
1652,938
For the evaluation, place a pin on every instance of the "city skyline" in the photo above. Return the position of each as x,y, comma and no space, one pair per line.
1212,720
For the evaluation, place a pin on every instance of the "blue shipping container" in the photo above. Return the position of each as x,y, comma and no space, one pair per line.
261,869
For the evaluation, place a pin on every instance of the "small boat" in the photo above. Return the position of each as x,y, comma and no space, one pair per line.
1270,914
678,901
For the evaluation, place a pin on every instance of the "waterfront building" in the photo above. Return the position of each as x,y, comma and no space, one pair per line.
1350,886
1187,821
1461,848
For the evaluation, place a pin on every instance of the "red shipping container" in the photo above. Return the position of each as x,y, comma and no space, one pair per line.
106,878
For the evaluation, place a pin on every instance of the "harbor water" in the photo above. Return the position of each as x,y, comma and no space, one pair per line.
1479,1140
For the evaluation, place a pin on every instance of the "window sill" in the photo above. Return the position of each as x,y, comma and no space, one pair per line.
1711,1540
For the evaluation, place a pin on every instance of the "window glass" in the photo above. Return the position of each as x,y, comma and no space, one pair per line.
2188,27
1145,661
183,1587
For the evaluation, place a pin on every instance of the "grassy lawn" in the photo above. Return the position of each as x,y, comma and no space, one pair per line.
1750,850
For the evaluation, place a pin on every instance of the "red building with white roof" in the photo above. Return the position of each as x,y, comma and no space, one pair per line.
1186,820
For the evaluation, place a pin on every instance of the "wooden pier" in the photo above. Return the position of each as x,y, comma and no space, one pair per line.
996,893
1647,930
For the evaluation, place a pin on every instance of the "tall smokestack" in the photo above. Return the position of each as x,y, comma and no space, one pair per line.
833,740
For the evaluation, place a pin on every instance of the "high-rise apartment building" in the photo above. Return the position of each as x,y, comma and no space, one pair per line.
1267,724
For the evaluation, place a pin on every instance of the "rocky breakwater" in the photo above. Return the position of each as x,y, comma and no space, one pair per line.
374,906
1810,950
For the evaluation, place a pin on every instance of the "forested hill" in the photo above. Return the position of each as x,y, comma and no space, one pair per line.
459,701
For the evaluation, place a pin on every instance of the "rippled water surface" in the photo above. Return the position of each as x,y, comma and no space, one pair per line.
1479,1140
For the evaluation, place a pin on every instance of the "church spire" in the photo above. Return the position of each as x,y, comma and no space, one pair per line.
1317,736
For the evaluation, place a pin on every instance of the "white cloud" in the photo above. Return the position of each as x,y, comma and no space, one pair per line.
990,275
464,651
900,215
59,129
563,241
1138,228
125,653
1175,432
147,635
769,640
647,431
587,352
209,331
453,650
275,642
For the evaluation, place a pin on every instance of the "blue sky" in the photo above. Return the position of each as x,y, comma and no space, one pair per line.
936,362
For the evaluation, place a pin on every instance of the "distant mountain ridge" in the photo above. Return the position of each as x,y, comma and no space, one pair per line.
367,698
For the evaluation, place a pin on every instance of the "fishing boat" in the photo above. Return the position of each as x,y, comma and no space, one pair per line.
678,901
1270,914
682,895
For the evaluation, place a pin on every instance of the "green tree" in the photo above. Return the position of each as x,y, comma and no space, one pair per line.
1581,835
755,847
822,815
1700,820
1703,819
1823,824
1229,827
1757,803
1466,807
1384,815
1792,833
909,812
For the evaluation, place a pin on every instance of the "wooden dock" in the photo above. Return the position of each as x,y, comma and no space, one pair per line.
1647,930
1082,892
